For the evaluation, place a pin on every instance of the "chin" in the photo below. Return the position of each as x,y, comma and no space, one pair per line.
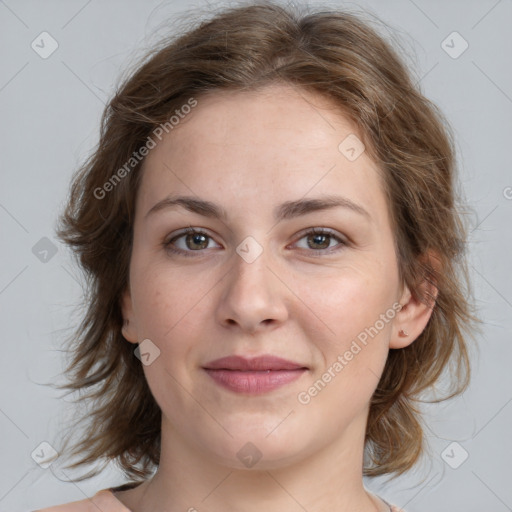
257,450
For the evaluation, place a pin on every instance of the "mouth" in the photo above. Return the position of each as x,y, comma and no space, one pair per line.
253,376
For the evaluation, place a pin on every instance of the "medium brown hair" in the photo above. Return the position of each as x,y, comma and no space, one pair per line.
340,56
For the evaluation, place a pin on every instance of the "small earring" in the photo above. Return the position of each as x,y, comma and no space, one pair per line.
403,333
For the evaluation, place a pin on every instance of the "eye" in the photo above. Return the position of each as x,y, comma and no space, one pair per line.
189,240
320,240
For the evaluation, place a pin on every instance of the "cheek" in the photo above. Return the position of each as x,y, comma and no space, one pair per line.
351,335
171,313
166,299
351,330
174,311
347,301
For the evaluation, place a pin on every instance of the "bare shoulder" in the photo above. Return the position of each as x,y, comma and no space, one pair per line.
75,506
103,500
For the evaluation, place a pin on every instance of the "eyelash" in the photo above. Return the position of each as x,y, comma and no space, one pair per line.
168,245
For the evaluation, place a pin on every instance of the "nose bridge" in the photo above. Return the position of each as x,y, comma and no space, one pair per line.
252,294
251,277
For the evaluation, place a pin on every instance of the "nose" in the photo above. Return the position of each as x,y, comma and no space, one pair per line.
253,297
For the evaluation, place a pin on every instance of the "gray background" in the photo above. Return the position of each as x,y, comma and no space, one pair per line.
50,112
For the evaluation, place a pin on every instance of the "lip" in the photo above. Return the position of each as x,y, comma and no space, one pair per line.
259,363
255,375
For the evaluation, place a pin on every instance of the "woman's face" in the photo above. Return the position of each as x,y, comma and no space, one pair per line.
255,280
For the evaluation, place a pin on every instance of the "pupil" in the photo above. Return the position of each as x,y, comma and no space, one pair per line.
198,239
319,238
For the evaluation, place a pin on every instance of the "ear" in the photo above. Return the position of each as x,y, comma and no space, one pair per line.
128,330
417,307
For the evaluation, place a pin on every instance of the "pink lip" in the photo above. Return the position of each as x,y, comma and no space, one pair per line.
253,376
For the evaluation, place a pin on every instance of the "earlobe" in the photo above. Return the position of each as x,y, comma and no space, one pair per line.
416,308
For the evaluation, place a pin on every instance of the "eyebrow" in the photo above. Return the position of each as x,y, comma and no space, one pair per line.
286,210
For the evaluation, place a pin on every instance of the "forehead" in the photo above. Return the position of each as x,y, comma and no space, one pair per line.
277,117
250,148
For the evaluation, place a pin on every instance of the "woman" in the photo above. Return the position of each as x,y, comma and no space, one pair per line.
271,234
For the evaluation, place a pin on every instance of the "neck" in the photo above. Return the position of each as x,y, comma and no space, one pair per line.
326,480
